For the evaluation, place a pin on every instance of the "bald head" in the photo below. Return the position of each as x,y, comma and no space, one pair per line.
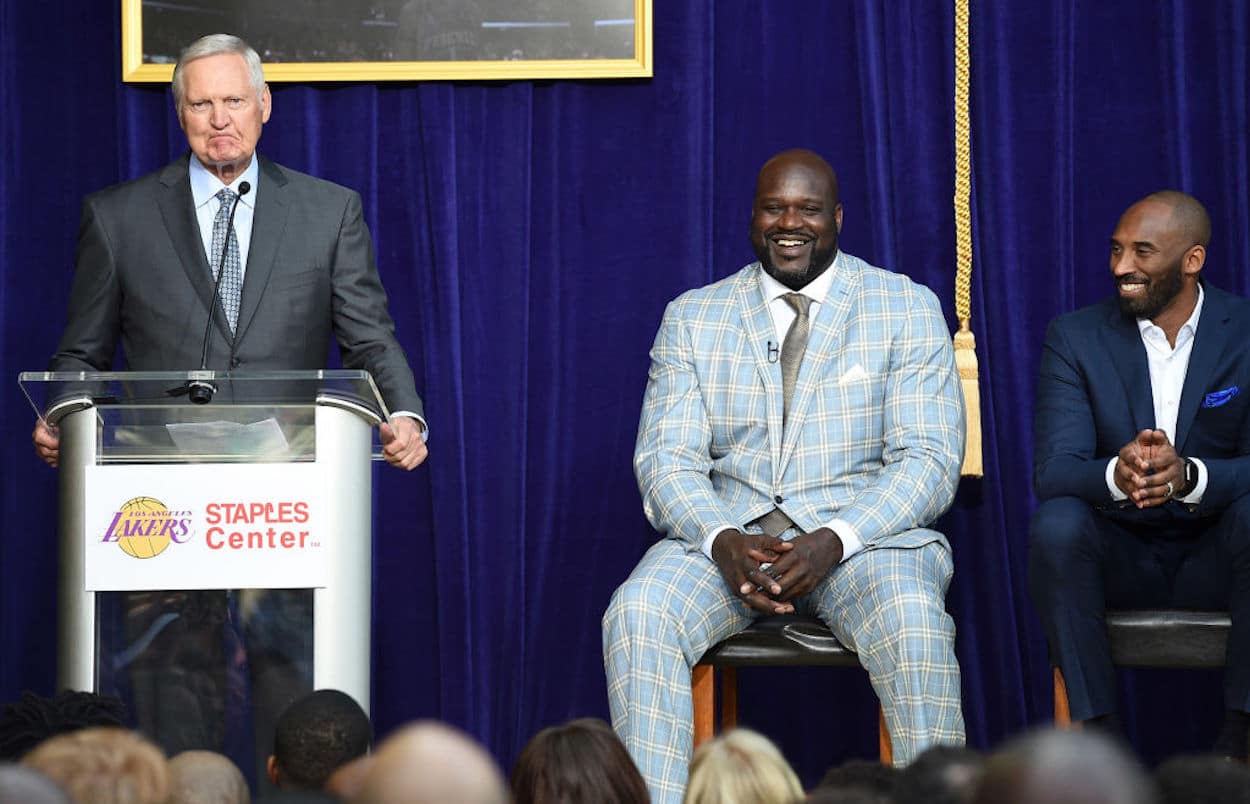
1188,217
1063,767
804,159
206,777
430,763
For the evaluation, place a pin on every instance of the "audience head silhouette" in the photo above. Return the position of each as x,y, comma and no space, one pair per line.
741,765
314,737
103,766
1064,767
206,777
431,763
582,760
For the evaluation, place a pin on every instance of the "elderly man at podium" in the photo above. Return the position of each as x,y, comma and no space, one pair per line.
227,261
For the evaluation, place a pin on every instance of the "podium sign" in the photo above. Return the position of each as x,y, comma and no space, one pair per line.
215,559
205,526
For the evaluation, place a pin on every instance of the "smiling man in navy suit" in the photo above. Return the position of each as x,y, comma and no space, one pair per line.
1142,458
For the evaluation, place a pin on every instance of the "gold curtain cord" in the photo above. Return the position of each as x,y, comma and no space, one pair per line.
965,343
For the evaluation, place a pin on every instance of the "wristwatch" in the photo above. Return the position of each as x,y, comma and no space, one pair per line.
1191,480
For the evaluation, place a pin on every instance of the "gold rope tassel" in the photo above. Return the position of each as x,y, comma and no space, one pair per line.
969,376
965,343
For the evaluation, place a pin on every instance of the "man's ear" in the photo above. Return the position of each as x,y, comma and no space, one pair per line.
1194,259
271,770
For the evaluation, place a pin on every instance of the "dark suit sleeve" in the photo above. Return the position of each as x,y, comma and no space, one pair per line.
94,317
363,327
1065,462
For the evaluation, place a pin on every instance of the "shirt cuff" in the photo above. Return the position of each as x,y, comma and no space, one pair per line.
1195,496
425,428
706,547
1116,494
851,543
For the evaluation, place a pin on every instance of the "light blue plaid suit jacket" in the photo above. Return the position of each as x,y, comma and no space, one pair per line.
876,423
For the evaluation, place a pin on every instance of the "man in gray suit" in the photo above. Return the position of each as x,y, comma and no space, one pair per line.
297,265
299,259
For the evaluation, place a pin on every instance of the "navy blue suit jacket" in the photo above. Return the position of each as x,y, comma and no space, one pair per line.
1094,396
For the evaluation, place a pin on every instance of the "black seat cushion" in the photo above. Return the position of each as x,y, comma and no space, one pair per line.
1168,638
781,639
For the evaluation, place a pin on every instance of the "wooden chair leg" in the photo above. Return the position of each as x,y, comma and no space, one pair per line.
1063,716
884,747
728,698
703,690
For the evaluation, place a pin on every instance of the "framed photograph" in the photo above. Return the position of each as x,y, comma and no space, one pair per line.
399,40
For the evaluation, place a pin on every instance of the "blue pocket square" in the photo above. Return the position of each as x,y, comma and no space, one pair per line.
1217,398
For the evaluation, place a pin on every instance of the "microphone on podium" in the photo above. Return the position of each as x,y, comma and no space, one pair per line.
201,391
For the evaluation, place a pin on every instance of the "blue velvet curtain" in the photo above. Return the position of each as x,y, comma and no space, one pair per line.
529,234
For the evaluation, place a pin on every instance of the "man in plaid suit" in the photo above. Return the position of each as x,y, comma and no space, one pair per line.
802,427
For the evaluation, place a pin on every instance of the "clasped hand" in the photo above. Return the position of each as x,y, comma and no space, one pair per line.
795,567
1148,469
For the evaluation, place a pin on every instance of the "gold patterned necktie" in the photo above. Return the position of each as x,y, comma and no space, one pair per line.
794,347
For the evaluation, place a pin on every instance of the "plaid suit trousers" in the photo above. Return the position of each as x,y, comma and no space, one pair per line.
887,604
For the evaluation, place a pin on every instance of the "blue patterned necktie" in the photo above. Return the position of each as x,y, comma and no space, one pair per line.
232,280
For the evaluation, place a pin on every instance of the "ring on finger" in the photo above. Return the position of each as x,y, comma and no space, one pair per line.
1171,488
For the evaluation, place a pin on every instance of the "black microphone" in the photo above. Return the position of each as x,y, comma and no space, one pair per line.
773,352
201,391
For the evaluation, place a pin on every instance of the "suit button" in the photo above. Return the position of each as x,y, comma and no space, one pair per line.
779,499
234,362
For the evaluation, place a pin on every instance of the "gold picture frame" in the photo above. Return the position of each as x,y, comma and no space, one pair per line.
489,37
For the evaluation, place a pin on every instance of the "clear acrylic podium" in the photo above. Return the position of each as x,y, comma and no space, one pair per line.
189,650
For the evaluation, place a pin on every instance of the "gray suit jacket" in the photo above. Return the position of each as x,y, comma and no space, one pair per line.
142,277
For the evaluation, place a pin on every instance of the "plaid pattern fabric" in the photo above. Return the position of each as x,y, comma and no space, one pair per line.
875,438
886,604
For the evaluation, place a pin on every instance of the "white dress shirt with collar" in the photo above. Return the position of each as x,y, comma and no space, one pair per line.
783,315
1168,367
204,189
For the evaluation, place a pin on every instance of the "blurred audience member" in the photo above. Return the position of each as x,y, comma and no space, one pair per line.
943,774
849,795
300,797
430,763
346,782
1203,779
22,785
741,766
103,766
26,723
314,737
861,774
206,777
1064,767
581,761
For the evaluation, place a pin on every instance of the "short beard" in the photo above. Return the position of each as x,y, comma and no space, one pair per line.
1159,294
820,262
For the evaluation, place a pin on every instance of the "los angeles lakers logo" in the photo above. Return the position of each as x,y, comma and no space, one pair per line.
144,527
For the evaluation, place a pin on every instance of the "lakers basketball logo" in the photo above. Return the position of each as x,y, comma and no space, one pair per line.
143,527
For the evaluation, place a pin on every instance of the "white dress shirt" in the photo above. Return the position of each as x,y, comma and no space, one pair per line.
1168,367
204,189
783,316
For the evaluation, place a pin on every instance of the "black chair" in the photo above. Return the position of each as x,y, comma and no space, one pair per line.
1157,638
778,640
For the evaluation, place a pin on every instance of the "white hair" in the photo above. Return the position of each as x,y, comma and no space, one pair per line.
212,45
